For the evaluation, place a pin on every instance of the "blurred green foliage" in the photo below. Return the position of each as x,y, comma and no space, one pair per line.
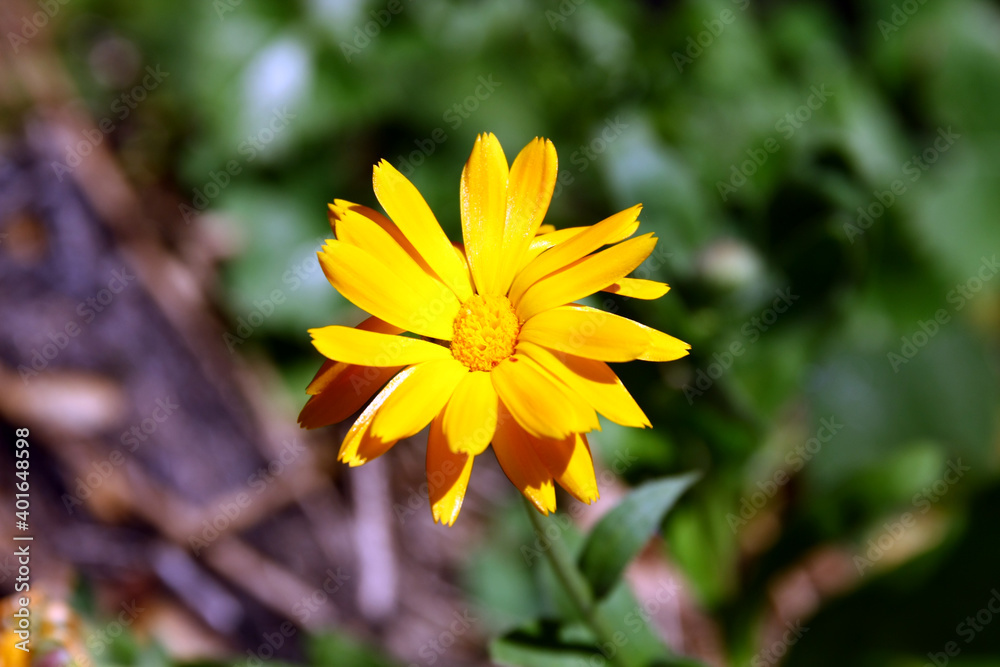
778,148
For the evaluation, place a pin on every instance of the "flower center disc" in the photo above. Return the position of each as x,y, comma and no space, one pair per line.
485,332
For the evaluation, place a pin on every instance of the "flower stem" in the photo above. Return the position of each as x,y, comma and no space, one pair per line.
577,588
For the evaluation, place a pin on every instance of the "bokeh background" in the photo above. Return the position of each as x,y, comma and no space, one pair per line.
824,180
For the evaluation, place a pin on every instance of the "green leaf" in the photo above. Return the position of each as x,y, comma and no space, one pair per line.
547,643
624,530
341,649
540,645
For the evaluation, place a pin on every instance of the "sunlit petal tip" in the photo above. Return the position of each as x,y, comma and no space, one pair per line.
664,347
544,498
447,475
332,212
638,288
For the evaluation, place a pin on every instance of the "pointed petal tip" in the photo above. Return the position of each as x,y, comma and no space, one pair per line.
544,502
444,519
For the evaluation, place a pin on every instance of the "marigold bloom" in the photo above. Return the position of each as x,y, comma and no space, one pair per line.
497,352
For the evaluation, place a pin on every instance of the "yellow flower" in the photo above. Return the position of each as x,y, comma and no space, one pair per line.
497,352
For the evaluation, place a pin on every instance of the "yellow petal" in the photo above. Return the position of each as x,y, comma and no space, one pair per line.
417,399
470,417
570,463
383,240
344,395
585,276
329,371
371,285
595,334
567,248
359,445
637,288
544,241
367,348
447,475
663,347
529,191
484,207
413,216
593,380
537,401
521,464
547,239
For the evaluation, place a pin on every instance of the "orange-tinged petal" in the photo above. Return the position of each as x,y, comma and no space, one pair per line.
329,371
637,288
593,380
537,401
367,348
417,399
567,248
447,475
371,285
344,395
595,334
529,191
470,418
359,445
571,465
407,208
585,276
521,464
484,209
326,374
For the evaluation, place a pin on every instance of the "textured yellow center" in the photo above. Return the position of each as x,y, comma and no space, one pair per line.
486,331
